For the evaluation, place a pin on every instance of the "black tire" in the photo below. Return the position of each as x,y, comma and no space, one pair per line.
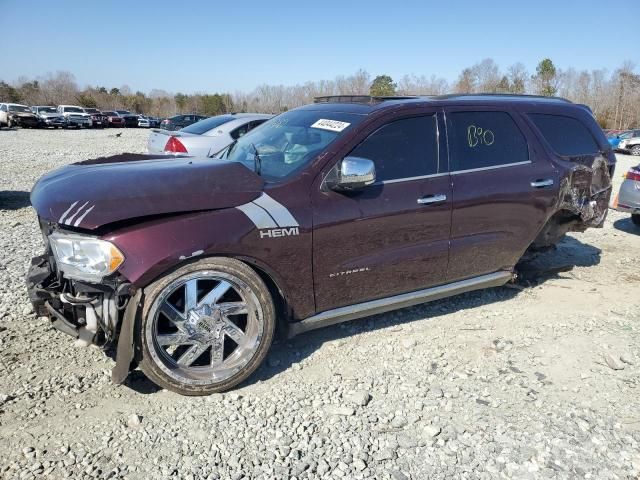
635,150
151,360
635,218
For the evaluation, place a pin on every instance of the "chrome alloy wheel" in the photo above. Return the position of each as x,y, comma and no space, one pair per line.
204,328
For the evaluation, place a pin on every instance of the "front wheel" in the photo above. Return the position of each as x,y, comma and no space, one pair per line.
635,150
205,327
635,218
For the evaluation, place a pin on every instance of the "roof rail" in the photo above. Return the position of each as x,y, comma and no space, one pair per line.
366,99
505,95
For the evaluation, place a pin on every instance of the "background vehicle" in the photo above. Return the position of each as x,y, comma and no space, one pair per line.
154,122
206,137
75,116
614,137
630,142
17,115
113,119
130,119
98,119
180,121
143,122
628,199
48,116
325,213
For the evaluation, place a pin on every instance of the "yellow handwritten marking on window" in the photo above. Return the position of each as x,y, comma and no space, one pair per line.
479,136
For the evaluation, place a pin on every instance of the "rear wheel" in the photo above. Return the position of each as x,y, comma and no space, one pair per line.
205,327
635,150
635,218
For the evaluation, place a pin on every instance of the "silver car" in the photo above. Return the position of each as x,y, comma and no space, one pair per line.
630,144
206,137
628,199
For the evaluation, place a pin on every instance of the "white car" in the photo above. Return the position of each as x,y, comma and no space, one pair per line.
143,121
206,137
75,116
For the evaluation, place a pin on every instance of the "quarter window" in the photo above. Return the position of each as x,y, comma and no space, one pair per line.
484,139
566,135
403,148
240,131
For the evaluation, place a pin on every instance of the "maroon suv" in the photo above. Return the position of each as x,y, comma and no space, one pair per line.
329,212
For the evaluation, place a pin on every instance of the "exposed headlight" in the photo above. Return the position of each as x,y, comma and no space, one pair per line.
85,258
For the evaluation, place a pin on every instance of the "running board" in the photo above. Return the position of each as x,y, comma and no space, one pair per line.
373,307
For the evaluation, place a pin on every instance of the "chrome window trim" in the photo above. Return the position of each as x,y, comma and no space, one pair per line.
457,172
492,167
409,179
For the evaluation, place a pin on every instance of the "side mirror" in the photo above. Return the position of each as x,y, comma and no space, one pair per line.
352,173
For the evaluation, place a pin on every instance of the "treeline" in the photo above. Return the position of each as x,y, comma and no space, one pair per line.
614,96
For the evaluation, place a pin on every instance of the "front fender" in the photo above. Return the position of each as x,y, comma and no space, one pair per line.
153,248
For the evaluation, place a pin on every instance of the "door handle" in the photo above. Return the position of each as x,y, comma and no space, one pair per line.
432,199
542,183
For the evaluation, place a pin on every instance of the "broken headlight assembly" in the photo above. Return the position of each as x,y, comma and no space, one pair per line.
81,257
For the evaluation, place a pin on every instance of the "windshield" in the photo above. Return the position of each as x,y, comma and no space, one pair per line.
73,109
91,110
289,141
123,112
204,126
110,114
47,110
19,108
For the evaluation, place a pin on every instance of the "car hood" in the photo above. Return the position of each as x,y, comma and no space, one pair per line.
49,114
22,114
98,192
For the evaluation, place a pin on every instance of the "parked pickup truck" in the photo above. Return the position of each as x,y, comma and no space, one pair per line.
98,119
75,116
337,210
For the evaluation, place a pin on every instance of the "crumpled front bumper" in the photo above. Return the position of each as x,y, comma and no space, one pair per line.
47,290
44,292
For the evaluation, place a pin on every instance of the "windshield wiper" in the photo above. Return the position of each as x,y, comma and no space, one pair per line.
257,161
224,153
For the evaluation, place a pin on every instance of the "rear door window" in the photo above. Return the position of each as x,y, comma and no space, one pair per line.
484,140
567,136
403,148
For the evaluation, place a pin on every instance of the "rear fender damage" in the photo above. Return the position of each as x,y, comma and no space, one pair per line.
583,201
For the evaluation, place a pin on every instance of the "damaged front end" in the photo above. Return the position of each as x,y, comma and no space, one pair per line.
89,311
583,200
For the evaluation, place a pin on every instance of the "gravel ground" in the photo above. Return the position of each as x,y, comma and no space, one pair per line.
539,380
